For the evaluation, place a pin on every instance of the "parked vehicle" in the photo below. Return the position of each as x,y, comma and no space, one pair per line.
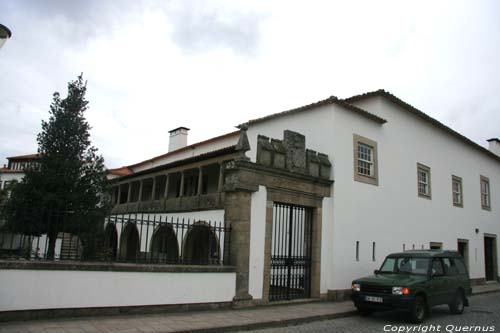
415,281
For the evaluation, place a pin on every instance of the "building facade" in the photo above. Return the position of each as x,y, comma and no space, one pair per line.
317,196
14,170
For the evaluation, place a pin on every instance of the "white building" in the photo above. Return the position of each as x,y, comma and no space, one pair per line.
401,180
293,205
14,170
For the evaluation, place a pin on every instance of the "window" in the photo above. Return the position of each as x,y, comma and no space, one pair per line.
365,160
460,266
437,267
485,193
456,190
424,181
450,267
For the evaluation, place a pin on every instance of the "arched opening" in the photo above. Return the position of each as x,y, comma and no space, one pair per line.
164,246
129,243
201,246
110,241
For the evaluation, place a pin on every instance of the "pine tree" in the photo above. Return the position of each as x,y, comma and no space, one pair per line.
66,192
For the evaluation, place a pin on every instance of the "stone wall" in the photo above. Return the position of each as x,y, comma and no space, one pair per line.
291,154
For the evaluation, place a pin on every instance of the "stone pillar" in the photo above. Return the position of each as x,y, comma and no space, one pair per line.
153,189
165,195
119,194
181,190
140,190
200,180
237,216
129,193
221,178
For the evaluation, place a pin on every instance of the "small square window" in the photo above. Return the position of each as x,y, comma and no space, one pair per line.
365,160
424,181
485,193
456,191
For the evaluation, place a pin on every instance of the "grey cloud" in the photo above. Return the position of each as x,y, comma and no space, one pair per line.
199,28
73,21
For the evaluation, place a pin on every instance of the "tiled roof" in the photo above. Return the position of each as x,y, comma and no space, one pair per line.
193,146
329,100
24,157
215,153
120,171
413,110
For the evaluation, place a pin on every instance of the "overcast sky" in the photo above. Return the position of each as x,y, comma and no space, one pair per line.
152,65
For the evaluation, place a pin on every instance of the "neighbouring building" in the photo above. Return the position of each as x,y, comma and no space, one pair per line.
318,195
14,170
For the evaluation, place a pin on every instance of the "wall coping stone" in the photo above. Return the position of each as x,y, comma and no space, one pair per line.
112,267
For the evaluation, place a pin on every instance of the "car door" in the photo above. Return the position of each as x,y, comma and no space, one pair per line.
437,284
452,279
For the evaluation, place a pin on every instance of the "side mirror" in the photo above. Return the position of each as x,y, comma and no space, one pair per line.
376,272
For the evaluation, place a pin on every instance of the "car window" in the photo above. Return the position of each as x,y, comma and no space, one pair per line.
459,264
437,267
405,265
450,267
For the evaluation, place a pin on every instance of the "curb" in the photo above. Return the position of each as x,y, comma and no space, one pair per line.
274,323
485,292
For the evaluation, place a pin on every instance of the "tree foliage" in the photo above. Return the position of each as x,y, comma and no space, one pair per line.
69,185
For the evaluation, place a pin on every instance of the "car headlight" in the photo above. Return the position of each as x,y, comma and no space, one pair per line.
356,287
400,291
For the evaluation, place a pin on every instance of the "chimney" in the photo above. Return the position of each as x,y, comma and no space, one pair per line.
494,146
178,138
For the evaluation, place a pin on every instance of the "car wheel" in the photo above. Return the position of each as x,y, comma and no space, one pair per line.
458,303
364,311
418,309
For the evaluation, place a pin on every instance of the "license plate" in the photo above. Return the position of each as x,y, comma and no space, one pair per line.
374,299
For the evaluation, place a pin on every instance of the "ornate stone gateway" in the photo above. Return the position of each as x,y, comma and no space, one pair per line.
291,252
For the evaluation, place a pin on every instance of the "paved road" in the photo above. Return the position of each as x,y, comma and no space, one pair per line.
483,312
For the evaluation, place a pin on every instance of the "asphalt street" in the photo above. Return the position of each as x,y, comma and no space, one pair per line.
483,315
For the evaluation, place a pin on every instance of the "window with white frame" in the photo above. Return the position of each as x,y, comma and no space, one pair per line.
456,190
485,193
365,160
424,181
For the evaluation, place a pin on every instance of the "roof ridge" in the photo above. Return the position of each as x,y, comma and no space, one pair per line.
433,121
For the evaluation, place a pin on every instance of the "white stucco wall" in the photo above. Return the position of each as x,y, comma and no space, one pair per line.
391,214
257,241
10,176
45,289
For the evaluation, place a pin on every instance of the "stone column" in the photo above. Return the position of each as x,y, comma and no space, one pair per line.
153,189
181,190
129,193
140,190
165,195
119,194
237,216
200,180
221,178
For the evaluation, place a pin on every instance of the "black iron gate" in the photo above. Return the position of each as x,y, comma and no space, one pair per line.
290,252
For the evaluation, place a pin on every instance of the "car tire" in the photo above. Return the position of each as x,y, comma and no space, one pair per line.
457,305
364,311
418,309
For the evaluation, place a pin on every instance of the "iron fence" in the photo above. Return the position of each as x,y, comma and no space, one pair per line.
138,238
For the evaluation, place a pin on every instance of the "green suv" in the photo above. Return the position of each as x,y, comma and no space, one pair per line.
415,281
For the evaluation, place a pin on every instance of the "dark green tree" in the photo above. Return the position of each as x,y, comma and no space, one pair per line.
67,191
